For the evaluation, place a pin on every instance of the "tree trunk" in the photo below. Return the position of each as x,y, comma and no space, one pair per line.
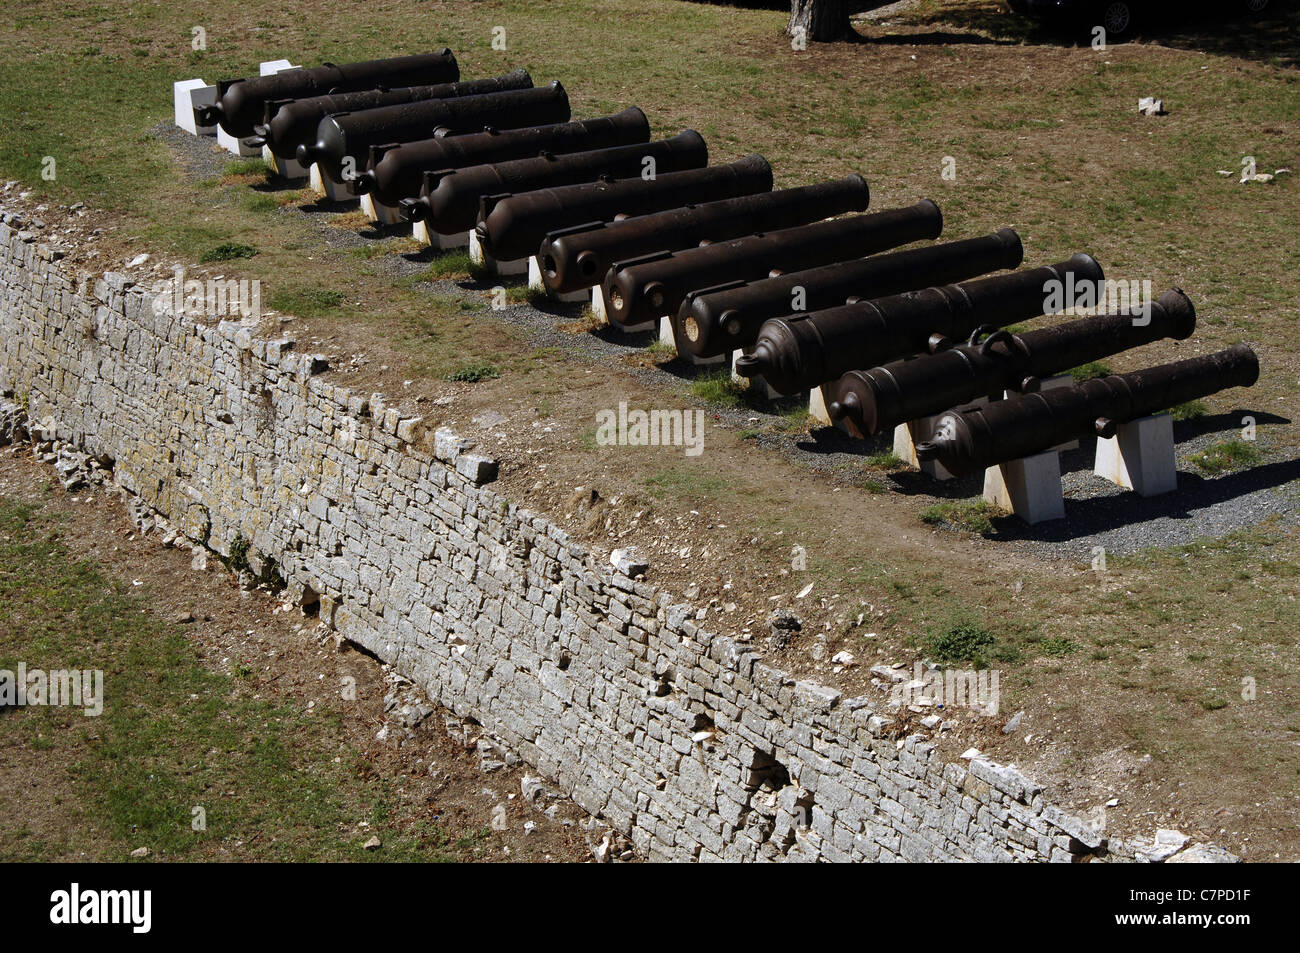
822,21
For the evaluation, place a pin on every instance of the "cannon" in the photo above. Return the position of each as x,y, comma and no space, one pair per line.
713,321
966,441
343,140
241,102
807,350
288,124
578,257
451,198
642,289
395,171
993,361
569,205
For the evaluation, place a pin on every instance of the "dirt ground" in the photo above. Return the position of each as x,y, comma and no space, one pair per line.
439,768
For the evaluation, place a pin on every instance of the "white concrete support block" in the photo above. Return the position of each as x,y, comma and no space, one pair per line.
479,256
666,336
235,146
284,168
379,212
598,304
187,94
326,187
421,233
1140,457
907,436
817,407
1030,488
536,283
271,67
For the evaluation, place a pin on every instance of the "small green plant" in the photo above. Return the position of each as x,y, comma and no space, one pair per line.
748,434
1228,455
228,251
1086,372
960,640
975,516
238,558
1190,410
886,460
452,264
261,202
253,166
306,302
473,373
1213,704
1056,646
718,388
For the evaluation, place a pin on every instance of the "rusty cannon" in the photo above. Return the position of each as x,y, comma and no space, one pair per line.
288,124
241,103
713,321
803,351
451,199
343,140
579,257
579,205
878,399
642,289
395,171
972,439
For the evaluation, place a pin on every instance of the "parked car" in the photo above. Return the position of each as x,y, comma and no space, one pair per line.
1121,18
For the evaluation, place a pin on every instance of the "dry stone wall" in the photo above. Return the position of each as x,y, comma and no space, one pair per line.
687,742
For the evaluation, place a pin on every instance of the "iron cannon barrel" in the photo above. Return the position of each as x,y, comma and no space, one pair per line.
871,401
454,196
345,138
714,321
802,351
966,441
240,102
395,171
641,289
577,206
580,258
288,125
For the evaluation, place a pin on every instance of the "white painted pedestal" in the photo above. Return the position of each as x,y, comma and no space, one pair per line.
186,95
326,187
907,436
1029,488
536,283
1140,457
284,168
479,256
379,212
421,233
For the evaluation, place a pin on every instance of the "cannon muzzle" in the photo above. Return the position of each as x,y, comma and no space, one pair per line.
602,243
714,321
966,441
803,351
673,275
871,401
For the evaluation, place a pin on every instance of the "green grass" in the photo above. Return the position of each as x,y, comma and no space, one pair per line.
960,640
1191,410
718,388
174,735
473,373
1227,455
1086,372
228,251
974,516
306,302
